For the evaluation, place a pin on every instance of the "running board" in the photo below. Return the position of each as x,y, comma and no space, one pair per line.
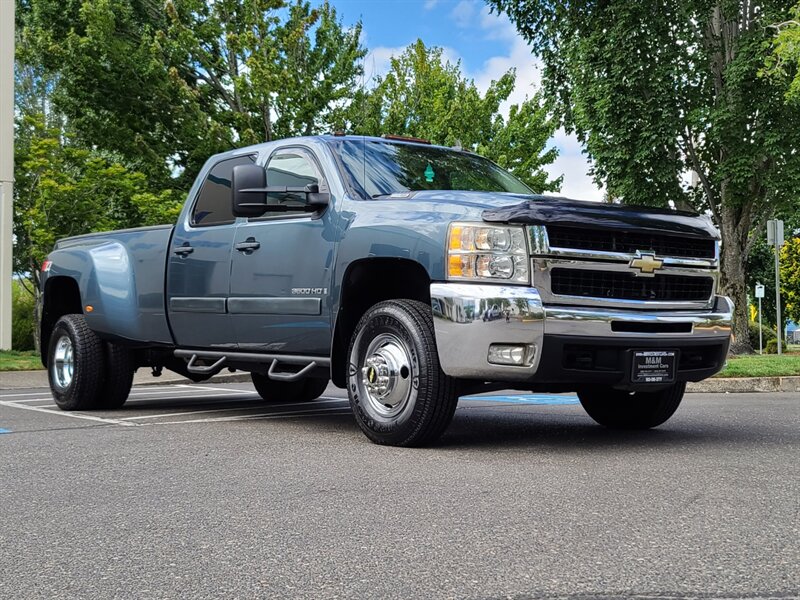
308,363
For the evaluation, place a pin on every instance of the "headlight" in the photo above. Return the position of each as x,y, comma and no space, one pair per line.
476,251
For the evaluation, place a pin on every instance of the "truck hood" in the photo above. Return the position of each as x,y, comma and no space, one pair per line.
541,210
499,207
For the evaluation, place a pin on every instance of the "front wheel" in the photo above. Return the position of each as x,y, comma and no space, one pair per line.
619,409
397,390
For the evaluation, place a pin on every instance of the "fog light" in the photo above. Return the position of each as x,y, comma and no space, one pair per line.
506,354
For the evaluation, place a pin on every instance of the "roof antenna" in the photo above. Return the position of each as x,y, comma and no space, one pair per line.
457,146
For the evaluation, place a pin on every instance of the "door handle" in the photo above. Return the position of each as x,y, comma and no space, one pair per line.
248,245
183,250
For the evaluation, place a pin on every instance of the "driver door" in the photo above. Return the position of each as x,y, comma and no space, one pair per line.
281,266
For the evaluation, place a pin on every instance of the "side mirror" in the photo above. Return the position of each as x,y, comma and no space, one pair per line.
248,187
249,191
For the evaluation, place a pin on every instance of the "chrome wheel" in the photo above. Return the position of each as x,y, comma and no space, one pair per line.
397,390
63,362
387,377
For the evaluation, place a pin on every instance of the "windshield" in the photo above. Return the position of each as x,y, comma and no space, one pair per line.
377,168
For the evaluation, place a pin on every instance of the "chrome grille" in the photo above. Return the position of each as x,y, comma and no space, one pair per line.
626,286
629,242
609,268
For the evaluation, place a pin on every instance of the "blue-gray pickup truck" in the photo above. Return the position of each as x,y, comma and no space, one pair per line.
405,272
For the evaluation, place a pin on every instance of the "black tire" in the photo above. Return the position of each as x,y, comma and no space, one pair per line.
618,409
80,387
273,390
119,376
419,400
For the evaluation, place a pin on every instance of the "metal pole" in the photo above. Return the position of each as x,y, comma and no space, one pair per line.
760,335
778,292
6,165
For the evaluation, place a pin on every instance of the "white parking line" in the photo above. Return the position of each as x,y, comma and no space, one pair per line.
134,391
274,415
186,392
166,396
213,389
223,409
30,399
73,415
22,394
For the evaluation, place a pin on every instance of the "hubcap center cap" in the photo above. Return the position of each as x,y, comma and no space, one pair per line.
386,375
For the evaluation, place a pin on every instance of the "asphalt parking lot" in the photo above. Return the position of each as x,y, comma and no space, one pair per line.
207,491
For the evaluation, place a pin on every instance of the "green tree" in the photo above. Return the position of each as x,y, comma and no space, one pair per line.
790,278
519,144
657,89
784,62
109,81
165,85
319,64
427,97
761,267
63,189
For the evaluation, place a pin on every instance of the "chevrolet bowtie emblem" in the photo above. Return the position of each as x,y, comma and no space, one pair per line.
646,264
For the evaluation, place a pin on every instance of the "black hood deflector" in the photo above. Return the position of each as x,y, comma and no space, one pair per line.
542,210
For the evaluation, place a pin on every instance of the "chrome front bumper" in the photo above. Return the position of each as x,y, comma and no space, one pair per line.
468,318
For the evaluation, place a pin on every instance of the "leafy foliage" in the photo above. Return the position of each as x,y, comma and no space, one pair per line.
790,278
164,88
22,317
658,89
761,268
425,96
63,189
784,62
767,334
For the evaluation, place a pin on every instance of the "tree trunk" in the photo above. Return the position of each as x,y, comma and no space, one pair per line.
734,284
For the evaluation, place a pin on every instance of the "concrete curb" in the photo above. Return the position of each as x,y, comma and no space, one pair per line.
10,380
746,385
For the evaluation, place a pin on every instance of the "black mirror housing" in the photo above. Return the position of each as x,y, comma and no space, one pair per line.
246,185
249,194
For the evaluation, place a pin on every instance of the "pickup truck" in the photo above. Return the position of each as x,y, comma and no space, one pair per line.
405,272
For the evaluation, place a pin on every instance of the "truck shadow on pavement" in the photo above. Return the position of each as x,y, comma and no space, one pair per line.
563,428
575,431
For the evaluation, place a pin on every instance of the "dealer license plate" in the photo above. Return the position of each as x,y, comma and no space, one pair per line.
653,366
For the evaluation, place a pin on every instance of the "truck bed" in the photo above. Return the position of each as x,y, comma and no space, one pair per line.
122,274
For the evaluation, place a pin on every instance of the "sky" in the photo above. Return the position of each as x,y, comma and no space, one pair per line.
487,45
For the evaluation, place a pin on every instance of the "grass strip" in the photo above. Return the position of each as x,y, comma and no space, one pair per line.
766,365
12,360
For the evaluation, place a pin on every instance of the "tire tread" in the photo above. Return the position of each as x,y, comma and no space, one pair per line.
119,376
89,375
438,414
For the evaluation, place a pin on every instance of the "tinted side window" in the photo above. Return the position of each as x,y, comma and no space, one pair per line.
214,204
291,168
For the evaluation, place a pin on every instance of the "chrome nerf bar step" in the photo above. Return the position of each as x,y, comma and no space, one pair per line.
220,360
